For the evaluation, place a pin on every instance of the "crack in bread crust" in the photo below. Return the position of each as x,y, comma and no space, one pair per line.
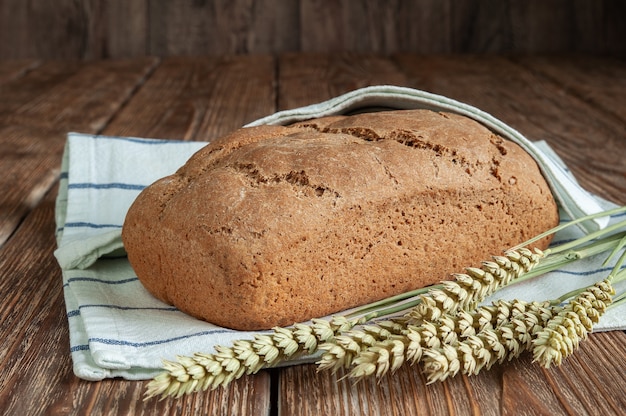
299,179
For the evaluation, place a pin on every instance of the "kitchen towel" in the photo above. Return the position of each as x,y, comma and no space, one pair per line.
117,329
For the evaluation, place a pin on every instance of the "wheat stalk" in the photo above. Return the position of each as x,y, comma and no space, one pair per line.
466,329
341,351
563,333
487,347
209,371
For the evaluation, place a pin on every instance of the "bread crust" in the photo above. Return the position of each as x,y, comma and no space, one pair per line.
274,225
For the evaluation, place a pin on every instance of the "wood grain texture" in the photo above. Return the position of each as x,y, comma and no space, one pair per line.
310,78
68,29
38,109
478,26
35,84
195,98
42,29
10,70
222,26
96,29
427,26
601,82
116,29
403,393
35,338
30,158
70,95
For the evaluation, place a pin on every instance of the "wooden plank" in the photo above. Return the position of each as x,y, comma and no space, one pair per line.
10,70
69,29
31,160
38,110
222,27
601,82
584,384
311,78
34,353
538,108
34,84
562,26
552,26
96,29
42,30
115,29
384,27
71,95
442,26
349,26
199,98
306,391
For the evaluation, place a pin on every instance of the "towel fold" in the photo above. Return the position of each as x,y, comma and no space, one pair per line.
117,329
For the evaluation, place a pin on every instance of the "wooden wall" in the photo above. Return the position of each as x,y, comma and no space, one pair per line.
94,29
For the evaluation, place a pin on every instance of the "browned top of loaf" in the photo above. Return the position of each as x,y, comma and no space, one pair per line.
272,225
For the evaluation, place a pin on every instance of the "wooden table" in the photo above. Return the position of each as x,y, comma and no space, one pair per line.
576,103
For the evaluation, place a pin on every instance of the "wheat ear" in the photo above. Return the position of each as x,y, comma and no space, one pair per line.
209,371
562,334
470,288
415,342
487,347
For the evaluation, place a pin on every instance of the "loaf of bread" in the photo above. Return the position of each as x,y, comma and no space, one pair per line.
274,225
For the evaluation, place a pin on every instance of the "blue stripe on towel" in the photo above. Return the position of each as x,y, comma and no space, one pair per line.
555,243
621,214
112,185
138,140
129,308
585,273
90,225
75,312
122,342
94,280
83,347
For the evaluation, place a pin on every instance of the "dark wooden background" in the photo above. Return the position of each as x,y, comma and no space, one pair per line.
97,29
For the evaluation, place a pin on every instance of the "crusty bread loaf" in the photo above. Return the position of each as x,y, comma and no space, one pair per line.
273,225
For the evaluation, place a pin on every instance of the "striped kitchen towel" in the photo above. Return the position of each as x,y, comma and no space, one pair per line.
117,329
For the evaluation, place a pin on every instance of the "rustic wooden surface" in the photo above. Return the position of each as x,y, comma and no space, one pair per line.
96,29
576,103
